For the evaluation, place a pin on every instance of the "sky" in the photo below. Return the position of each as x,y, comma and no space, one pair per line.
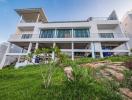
59,10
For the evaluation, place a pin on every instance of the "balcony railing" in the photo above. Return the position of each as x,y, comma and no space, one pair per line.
35,37
100,18
112,35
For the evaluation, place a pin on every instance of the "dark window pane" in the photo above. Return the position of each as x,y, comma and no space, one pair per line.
47,33
81,33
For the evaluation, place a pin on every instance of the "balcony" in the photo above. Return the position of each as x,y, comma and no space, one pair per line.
37,37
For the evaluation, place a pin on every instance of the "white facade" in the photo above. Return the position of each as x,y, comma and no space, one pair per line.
127,25
94,37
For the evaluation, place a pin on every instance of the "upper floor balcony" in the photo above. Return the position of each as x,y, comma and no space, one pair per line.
67,37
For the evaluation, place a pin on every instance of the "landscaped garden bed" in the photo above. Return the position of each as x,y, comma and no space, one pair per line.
98,79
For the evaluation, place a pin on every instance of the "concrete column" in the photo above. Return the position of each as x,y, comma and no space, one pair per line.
101,54
34,56
36,46
72,51
128,47
21,19
93,50
4,58
38,18
53,53
29,48
36,32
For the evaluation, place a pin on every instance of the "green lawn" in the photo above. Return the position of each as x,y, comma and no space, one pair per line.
27,84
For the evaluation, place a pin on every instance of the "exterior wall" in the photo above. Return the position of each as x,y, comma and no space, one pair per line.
127,25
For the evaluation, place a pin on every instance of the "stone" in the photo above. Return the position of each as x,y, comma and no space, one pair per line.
127,92
69,73
117,75
116,68
93,65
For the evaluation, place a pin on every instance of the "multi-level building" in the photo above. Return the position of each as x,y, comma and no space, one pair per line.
94,37
127,24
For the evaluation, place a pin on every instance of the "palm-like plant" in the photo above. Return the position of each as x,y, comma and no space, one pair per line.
45,53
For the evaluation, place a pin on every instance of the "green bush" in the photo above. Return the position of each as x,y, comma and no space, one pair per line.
128,80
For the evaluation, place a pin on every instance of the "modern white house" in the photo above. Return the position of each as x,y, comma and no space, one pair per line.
127,24
93,37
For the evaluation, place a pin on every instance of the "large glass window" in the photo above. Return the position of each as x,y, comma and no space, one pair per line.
106,35
47,33
64,33
26,36
81,33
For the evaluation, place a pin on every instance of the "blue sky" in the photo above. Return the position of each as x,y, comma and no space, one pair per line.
58,10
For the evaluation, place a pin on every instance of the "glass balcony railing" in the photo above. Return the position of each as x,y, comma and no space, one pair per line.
26,37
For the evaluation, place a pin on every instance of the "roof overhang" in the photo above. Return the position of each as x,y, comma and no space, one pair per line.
32,10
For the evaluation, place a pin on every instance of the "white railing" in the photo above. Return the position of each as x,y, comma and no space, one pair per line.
19,37
99,18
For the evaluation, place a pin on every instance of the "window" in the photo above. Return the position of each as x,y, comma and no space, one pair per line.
107,47
26,36
64,33
106,35
81,33
47,33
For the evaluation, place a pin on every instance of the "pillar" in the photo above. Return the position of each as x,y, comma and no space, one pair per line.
21,19
4,58
72,51
53,53
38,18
29,48
127,45
36,46
34,56
101,54
93,50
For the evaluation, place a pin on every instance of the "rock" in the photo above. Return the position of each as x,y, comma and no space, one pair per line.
127,92
116,68
117,75
105,74
69,73
93,65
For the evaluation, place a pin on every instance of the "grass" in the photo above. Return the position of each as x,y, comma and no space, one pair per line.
27,84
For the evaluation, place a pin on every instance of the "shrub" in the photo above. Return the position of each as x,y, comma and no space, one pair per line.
128,64
128,80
